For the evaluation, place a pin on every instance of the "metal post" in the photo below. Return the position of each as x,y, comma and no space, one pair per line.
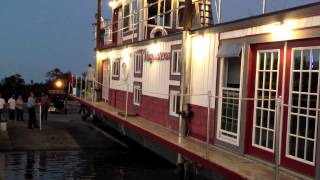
219,12
69,84
277,143
263,6
208,125
127,93
85,88
76,84
80,87
40,117
92,90
105,93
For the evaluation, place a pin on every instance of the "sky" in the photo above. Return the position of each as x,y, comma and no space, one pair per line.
39,35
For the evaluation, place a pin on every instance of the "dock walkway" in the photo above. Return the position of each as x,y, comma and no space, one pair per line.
227,164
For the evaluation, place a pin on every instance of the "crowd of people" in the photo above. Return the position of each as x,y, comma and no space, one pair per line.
15,108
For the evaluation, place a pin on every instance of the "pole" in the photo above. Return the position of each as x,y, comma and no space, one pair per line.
76,84
92,90
80,87
85,88
208,125
263,6
40,117
277,143
127,93
219,12
98,19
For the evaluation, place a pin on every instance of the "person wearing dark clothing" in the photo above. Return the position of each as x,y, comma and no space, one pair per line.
45,106
32,111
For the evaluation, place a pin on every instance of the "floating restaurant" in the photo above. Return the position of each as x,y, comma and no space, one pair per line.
238,100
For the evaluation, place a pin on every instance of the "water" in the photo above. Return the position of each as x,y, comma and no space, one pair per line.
112,164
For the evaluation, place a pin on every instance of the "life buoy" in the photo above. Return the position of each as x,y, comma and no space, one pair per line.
158,30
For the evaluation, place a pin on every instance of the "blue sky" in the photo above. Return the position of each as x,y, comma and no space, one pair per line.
39,35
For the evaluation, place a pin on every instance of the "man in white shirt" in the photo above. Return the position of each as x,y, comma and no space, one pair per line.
2,104
12,108
90,79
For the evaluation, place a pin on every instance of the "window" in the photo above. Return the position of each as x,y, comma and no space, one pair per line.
304,100
176,62
138,63
174,99
116,69
266,93
165,13
180,11
159,13
229,104
137,95
126,17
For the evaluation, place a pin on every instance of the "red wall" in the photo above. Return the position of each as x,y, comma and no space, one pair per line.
157,110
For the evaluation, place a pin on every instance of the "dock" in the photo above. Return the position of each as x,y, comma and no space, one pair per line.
225,163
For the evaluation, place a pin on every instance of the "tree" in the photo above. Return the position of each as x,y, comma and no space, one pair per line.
11,85
54,74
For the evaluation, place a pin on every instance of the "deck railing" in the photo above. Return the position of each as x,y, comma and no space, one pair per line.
229,103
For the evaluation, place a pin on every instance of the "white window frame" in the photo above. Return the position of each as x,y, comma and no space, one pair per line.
126,16
137,93
220,131
157,19
179,8
265,90
114,68
290,110
173,99
178,63
138,63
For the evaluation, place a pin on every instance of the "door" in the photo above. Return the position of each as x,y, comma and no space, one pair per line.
266,87
105,79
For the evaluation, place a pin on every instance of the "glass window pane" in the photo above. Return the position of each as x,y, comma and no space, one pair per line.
315,59
268,60
265,119
274,81
267,80
295,99
292,145
310,148
306,60
257,136
261,67
314,82
313,101
270,139
258,117
264,137
297,59
260,80
293,124
304,82
271,120
311,128
275,61
296,81
302,126
303,100
301,144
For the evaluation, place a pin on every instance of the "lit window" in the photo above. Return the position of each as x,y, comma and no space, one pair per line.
138,63
115,68
174,103
176,62
137,95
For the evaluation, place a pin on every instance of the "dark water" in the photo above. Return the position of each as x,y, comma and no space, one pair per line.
112,164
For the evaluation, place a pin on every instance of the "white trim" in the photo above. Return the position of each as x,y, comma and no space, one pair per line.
179,8
263,90
137,58
290,109
222,134
113,68
173,100
137,93
178,63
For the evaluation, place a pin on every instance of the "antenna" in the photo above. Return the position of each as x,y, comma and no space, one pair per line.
218,10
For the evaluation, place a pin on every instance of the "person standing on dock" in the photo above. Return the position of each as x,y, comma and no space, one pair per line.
19,107
45,106
2,105
12,108
90,78
32,111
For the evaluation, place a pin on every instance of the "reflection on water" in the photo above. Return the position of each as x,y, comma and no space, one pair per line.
114,164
